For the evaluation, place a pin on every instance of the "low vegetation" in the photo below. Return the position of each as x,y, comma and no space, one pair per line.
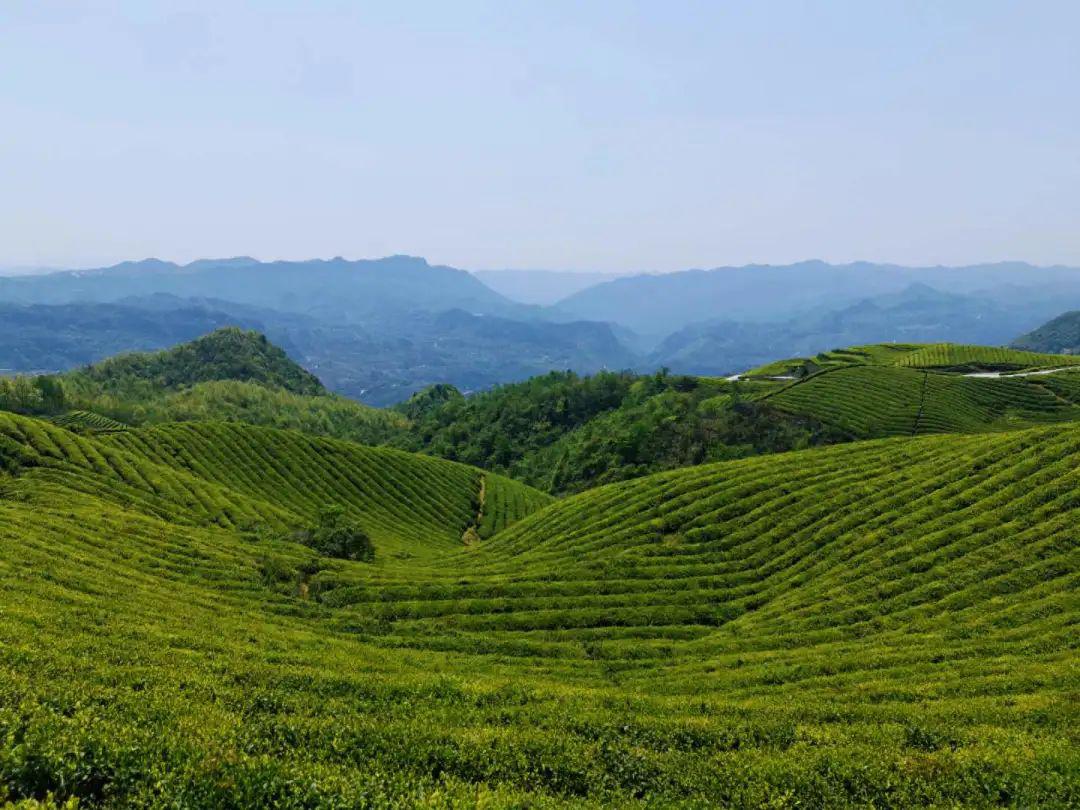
884,623
869,402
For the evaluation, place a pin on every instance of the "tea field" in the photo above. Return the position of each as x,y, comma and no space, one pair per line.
888,623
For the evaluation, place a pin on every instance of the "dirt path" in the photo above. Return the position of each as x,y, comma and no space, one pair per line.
996,375
471,535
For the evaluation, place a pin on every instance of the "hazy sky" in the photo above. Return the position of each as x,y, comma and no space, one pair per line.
604,135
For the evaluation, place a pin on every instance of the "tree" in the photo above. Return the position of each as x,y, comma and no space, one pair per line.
52,393
337,536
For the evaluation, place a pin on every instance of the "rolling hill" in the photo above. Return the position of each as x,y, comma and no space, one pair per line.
908,389
225,354
887,623
564,433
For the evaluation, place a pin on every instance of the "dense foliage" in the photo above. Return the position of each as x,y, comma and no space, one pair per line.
337,536
564,433
226,354
885,624
1059,336
228,375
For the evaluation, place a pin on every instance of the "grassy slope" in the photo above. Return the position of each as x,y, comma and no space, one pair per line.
889,622
905,390
875,401
941,356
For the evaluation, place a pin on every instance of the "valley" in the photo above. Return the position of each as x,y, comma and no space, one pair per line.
885,621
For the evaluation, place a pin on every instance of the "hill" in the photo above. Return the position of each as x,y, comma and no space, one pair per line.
1060,335
226,354
947,357
883,623
564,433
228,375
908,389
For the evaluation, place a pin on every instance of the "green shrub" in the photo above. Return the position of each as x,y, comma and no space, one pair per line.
336,535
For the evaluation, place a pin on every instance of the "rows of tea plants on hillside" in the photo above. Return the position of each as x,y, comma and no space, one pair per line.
941,356
505,501
408,503
87,422
872,401
878,354
953,403
982,358
627,563
864,400
887,623
64,459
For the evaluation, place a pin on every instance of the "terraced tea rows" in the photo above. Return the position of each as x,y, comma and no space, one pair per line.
87,422
890,623
880,354
982,358
940,356
409,504
874,401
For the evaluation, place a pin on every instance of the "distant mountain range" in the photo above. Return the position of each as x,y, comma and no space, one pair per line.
658,305
379,330
917,314
345,291
543,287
373,330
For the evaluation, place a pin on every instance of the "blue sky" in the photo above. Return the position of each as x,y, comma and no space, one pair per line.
597,135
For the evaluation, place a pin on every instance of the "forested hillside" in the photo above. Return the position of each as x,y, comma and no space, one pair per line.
564,433
1060,336
229,375
227,354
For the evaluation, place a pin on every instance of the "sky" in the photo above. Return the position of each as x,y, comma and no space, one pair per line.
614,136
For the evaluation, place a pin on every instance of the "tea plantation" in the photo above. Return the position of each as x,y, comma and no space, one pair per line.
887,623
